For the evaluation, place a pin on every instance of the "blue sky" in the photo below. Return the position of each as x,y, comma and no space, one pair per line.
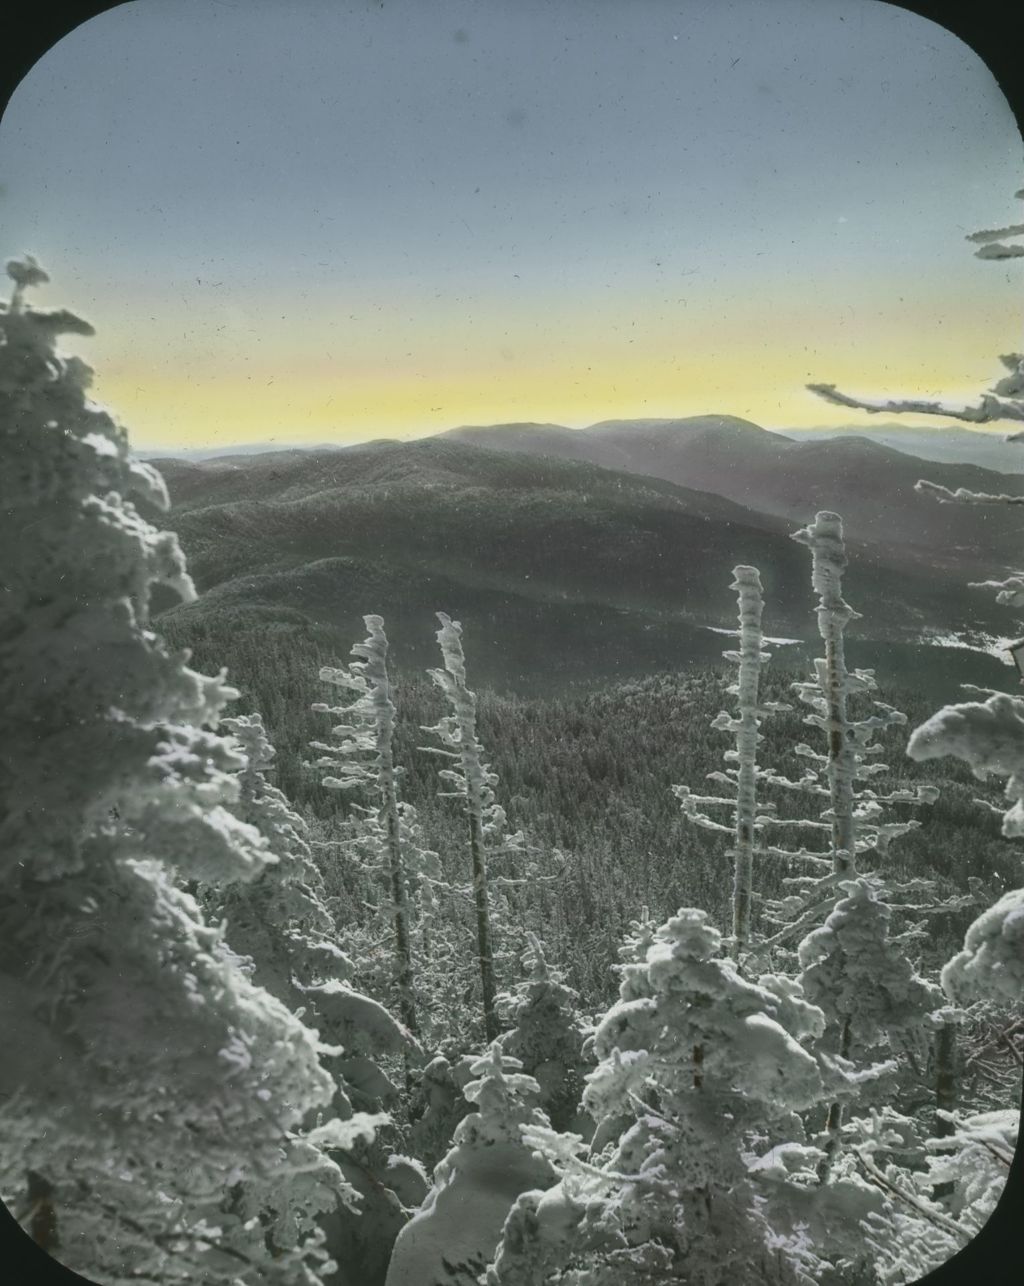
340,220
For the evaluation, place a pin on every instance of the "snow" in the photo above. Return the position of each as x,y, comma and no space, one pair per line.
776,642
452,1237
987,644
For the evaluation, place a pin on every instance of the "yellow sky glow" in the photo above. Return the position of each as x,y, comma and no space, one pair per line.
169,399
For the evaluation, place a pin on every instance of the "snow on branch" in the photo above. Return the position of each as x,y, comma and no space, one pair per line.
993,241
987,410
947,496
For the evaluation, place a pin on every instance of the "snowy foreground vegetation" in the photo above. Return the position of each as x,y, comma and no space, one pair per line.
243,1045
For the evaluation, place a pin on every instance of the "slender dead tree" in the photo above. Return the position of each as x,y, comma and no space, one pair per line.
364,756
472,781
741,778
824,538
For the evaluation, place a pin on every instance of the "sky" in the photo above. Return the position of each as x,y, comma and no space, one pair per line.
341,220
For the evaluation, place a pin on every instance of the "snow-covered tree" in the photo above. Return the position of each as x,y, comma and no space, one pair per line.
440,1105
279,923
145,1073
741,779
988,734
875,1003
546,1035
915,1232
471,780
363,757
706,1068
854,819
451,1238
278,920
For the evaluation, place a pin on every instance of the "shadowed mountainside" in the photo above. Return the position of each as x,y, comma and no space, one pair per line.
560,569
869,483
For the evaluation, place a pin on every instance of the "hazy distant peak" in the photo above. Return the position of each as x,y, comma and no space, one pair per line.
689,423
852,443
517,426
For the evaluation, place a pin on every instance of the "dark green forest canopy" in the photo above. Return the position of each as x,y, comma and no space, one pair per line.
588,768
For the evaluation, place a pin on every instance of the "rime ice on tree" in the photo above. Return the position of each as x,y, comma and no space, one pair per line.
452,1236
695,1060
988,735
741,780
853,819
363,758
279,919
875,1003
144,1071
546,1035
473,782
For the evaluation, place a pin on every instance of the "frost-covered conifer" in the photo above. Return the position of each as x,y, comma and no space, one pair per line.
854,819
280,923
741,780
989,736
452,1237
363,757
915,1232
145,1074
875,1003
860,976
704,1066
634,983
547,1035
441,1105
279,919
472,781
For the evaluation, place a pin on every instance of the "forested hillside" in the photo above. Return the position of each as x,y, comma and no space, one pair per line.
785,475
589,770
565,572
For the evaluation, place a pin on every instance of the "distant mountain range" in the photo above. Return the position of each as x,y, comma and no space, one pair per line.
580,554
987,448
870,484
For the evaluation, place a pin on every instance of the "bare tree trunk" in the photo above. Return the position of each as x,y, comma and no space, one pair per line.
483,923
400,903
825,538
748,583
840,756
834,1120
945,1090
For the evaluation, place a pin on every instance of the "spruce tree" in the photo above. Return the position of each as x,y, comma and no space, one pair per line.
472,781
363,757
281,927
145,1072
853,821
452,1237
546,1035
876,1005
740,779
279,920
707,1070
